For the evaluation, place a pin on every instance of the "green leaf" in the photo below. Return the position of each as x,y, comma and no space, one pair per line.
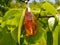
1,35
14,34
49,8
6,38
56,35
12,19
49,38
12,16
20,26
0,21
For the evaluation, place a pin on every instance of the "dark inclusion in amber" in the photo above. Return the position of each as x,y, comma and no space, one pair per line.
30,23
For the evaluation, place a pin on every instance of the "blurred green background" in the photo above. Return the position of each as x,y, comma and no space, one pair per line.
11,22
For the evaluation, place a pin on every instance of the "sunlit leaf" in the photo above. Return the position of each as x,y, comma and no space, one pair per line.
49,8
12,19
20,25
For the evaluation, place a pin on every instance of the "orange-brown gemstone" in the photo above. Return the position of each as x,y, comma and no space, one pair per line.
30,23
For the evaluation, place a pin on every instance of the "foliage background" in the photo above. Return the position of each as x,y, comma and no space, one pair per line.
12,31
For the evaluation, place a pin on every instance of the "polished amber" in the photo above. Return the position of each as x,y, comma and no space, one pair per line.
30,23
